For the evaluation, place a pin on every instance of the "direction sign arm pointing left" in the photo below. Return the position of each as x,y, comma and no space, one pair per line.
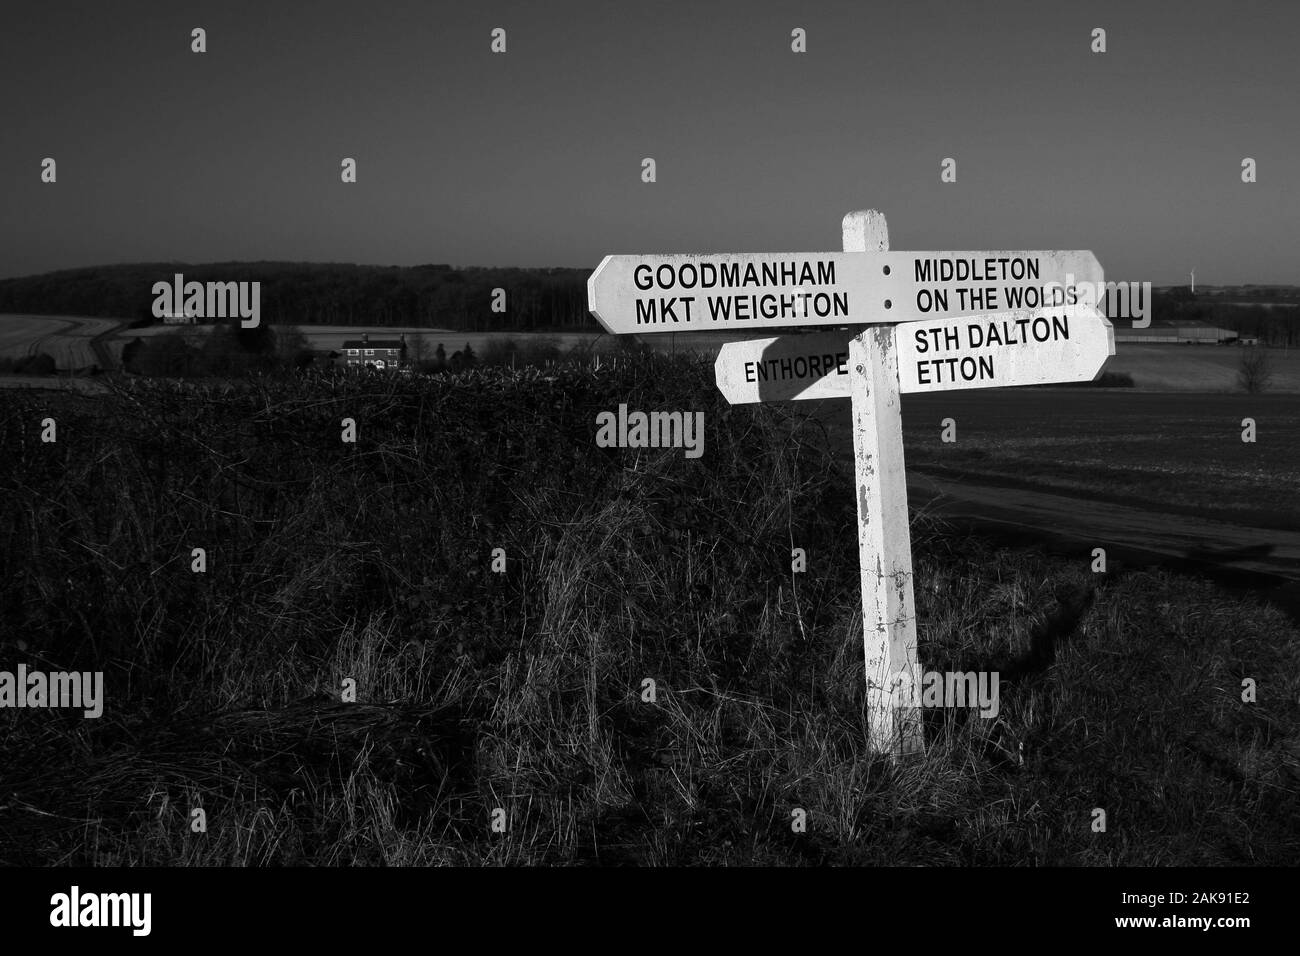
591,292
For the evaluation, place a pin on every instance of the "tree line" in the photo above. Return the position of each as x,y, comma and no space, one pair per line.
427,296
460,299
1276,325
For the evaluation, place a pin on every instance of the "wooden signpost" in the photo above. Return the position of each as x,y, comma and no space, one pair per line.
727,292
939,320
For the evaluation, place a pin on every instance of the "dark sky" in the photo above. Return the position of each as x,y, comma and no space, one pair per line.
533,157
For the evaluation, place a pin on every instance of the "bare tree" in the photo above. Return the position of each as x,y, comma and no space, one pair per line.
417,349
1255,372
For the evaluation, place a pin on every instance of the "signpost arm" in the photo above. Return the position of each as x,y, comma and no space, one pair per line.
884,538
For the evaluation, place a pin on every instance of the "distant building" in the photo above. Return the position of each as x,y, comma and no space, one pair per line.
387,354
1185,333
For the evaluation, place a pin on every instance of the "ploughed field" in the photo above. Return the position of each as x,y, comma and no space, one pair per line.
1159,478
1162,451
1158,449
1201,368
65,338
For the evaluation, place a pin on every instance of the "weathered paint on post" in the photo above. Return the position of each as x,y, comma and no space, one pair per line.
884,537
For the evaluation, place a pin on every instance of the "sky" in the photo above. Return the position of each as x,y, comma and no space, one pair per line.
534,157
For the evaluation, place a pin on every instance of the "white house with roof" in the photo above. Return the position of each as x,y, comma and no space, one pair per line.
377,353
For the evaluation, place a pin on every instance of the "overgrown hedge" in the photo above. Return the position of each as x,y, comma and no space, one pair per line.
310,540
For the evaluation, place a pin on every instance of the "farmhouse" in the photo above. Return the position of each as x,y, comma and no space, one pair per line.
380,354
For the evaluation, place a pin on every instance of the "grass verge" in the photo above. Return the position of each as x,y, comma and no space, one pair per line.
524,691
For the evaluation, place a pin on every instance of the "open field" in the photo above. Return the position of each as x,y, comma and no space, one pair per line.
1158,449
1167,452
524,690
65,338
1161,478
1198,368
1262,561
1158,367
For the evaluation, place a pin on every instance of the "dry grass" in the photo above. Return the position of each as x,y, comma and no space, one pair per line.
524,691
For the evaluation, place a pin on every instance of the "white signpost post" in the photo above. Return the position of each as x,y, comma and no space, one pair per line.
940,320
884,537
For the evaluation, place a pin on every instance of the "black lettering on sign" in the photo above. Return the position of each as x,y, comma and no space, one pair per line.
988,269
